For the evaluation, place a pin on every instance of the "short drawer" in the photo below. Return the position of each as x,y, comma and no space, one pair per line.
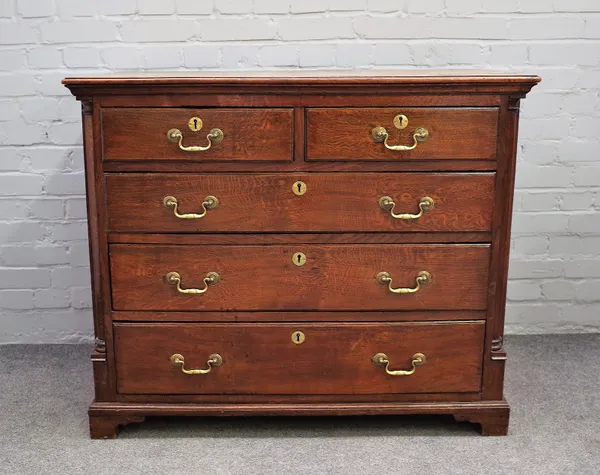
299,277
373,134
299,358
183,134
310,202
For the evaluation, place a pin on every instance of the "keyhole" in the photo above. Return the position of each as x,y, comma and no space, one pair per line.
299,188
297,338
195,124
299,259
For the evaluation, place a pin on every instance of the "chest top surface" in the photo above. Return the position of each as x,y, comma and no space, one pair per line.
482,81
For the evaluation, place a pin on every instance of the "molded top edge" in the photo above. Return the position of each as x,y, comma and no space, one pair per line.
307,77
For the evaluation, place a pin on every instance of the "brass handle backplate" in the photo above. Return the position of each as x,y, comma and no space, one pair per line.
212,278
210,202
381,359
214,360
380,134
422,278
214,136
425,204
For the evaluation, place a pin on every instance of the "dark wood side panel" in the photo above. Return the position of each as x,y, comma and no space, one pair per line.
335,277
103,355
249,134
495,355
454,133
332,202
98,251
333,359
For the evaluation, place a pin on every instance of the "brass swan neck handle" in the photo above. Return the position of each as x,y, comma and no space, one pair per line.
387,203
381,359
214,360
210,202
176,136
422,278
380,134
174,278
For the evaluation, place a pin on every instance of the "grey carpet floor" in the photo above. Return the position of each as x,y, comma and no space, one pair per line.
552,383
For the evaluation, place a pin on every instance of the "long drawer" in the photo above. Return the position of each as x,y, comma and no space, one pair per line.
298,358
309,202
299,277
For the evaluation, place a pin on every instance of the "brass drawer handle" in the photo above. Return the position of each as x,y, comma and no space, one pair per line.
425,204
210,202
213,360
421,134
212,278
423,277
381,359
214,136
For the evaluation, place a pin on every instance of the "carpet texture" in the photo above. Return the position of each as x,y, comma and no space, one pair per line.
552,384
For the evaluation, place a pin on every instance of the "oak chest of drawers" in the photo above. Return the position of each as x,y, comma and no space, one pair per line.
299,243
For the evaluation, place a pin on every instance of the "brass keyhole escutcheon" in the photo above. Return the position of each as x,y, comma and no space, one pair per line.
299,188
400,121
298,338
195,124
299,259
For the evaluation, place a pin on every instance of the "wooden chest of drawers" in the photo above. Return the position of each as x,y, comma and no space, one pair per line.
299,243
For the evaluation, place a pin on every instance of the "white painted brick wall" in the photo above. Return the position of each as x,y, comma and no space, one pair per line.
555,263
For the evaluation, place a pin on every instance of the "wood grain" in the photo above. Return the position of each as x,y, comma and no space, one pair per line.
297,83
316,99
300,238
107,426
249,134
493,374
317,126
334,359
491,415
492,423
98,251
426,77
103,355
335,277
424,165
454,133
333,202
298,398
303,316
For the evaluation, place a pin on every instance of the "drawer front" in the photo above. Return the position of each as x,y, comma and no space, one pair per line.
452,133
332,359
328,202
276,277
247,134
